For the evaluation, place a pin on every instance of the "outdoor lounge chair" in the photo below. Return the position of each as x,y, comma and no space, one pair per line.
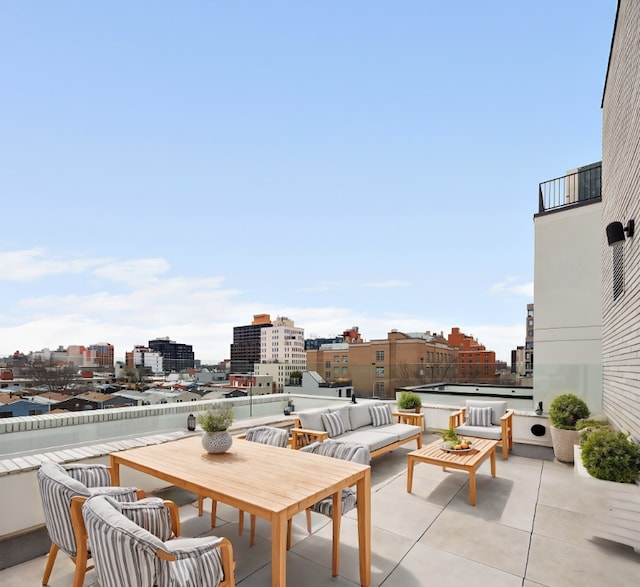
135,545
59,484
485,419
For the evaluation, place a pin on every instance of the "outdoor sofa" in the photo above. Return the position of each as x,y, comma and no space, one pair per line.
370,423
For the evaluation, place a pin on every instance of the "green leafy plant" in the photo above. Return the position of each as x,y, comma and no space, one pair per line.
217,418
589,425
566,410
608,454
409,400
450,436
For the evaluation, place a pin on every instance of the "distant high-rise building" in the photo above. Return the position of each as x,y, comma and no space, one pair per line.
175,356
245,348
282,351
528,345
103,353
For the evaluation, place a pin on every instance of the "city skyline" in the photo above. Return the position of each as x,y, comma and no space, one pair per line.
174,172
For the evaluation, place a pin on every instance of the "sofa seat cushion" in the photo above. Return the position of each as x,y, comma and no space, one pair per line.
371,437
400,431
490,432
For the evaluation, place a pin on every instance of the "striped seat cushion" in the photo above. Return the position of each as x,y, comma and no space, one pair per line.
325,506
268,435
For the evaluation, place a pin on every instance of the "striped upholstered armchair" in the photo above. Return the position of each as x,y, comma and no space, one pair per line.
59,484
348,451
134,545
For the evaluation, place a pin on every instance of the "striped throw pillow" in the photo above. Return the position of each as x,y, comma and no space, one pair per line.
479,416
333,424
381,415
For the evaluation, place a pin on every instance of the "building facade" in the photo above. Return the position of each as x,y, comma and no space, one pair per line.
281,352
567,293
476,364
176,356
620,259
246,345
377,368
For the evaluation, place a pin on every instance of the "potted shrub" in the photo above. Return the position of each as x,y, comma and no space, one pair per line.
564,413
409,401
215,423
609,454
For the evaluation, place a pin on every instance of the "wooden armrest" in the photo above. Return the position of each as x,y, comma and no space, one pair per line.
302,436
457,418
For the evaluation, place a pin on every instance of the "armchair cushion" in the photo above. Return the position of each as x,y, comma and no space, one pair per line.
89,475
149,513
333,423
478,416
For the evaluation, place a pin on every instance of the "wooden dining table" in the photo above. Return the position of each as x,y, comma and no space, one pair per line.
271,482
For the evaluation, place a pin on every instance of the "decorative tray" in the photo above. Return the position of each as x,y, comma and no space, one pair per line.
444,446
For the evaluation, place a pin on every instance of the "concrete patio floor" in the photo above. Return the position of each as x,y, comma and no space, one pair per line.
531,527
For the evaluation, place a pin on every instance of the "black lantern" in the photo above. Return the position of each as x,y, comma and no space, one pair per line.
191,422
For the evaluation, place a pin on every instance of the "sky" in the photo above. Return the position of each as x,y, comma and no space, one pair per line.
170,169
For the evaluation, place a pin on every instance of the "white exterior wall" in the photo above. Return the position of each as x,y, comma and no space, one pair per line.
621,202
568,317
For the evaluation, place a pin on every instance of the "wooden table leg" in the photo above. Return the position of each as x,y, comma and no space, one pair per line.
115,471
364,527
279,550
337,516
472,487
493,462
411,462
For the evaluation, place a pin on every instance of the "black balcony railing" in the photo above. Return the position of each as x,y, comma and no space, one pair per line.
583,185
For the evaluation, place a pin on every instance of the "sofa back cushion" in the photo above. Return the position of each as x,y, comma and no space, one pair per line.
312,419
498,409
360,415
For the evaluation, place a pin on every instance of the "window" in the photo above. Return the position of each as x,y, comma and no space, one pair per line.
336,359
379,388
345,358
336,371
345,370
327,364
327,374
618,270
379,355
379,371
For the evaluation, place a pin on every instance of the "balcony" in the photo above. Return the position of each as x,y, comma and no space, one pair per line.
531,524
582,186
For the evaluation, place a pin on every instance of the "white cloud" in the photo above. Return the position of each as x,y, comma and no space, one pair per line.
32,264
387,284
510,286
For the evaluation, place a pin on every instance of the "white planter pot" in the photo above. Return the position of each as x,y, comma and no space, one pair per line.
217,442
563,442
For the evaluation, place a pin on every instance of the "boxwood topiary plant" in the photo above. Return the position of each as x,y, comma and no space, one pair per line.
608,454
565,411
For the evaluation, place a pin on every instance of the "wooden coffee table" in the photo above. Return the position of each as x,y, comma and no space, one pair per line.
433,454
